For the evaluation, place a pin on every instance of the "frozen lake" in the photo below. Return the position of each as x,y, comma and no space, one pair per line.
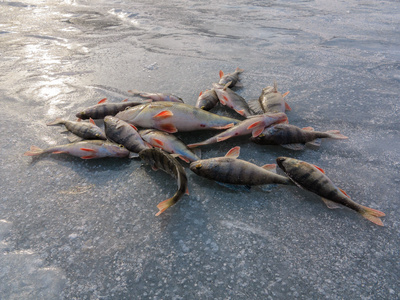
85,229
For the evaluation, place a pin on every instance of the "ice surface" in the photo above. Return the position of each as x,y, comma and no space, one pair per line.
85,229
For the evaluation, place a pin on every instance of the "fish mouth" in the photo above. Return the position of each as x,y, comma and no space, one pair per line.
280,160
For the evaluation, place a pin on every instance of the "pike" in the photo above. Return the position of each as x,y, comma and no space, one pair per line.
234,101
173,117
125,134
102,109
231,170
293,137
169,143
84,149
253,125
233,78
313,179
157,96
86,130
159,159
271,100
207,100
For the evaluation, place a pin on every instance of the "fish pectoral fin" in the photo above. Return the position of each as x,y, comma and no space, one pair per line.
159,142
315,143
233,153
170,128
92,121
133,126
330,204
255,124
102,101
296,146
222,100
163,114
270,167
241,112
257,131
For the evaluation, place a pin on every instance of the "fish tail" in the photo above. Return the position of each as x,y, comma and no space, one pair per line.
34,151
57,121
162,206
335,134
239,70
372,215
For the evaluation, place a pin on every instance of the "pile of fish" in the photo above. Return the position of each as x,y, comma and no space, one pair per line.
161,115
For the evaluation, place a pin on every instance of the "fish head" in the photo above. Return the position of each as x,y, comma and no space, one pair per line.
209,168
287,163
275,118
82,115
110,122
117,150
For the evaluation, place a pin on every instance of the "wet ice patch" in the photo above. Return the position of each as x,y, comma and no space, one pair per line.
24,275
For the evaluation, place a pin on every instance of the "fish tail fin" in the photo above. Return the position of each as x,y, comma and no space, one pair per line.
162,206
335,134
34,151
57,121
239,70
372,215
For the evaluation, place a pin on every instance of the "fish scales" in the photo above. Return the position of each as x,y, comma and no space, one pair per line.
314,180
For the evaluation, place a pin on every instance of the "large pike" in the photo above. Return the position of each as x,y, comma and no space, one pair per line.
230,170
84,149
159,159
293,137
102,109
253,125
173,116
168,142
313,179
229,98
86,130
125,134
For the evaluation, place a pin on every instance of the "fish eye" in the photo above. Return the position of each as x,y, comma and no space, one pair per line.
198,166
121,146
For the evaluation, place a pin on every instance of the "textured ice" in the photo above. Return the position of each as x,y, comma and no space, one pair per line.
85,229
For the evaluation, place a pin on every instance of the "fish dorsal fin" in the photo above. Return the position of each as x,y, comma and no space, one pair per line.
344,193
233,153
308,128
320,169
163,114
91,121
275,90
270,167
330,204
102,101
221,73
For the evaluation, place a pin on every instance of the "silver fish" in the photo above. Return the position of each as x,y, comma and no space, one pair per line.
229,98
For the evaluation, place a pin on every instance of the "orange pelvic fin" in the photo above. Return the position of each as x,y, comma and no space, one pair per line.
159,142
102,101
372,215
91,121
233,153
88,149
287,107
221,73
88,157
133,126
169,128
257,131
270,167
